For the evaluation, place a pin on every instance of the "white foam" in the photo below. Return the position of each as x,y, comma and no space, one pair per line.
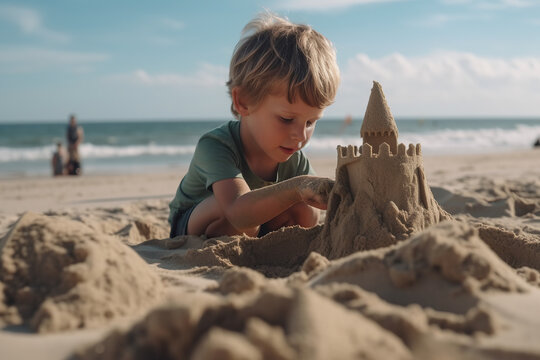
91,151
447,140
433,142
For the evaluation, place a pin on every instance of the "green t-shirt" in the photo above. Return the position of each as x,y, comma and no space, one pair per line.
218,156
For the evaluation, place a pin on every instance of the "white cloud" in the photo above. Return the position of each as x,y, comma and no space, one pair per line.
437,20
161,40
172,24
319,5
208,75
494,4
445,83
144,94
438,84
31,59
504,4
455,2
29,21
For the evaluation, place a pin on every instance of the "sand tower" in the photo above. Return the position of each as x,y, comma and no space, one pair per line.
381,195
379,126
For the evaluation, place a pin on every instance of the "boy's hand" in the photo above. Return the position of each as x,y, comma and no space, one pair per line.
314,190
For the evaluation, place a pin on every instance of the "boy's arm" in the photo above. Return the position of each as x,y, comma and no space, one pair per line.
247,209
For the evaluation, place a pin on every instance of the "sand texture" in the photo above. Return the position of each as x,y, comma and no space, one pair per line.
399,268
381,194
56,276
106,282
378,125
385,206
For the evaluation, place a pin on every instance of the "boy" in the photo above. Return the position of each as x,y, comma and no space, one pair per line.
249,176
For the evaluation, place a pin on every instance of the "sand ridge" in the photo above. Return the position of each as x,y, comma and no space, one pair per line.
56,276
422,272
436,287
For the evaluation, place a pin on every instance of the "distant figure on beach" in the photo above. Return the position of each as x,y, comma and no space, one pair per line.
74,136
58,160
537,143
73,166
250,176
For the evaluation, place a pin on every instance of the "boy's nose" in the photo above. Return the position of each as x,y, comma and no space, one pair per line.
299,133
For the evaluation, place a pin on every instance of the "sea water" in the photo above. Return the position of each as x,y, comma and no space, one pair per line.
141,146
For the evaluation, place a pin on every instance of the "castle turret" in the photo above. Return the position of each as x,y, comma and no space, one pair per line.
379,125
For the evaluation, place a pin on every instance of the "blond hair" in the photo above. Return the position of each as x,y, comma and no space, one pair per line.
273,51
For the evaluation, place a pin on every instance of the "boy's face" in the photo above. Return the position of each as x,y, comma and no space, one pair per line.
275,129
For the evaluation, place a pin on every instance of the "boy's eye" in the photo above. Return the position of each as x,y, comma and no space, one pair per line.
286,120
311,123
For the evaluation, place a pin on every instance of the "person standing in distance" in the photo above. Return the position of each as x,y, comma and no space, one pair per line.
74,137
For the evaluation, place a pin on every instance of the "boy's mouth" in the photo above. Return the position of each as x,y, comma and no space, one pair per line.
288,151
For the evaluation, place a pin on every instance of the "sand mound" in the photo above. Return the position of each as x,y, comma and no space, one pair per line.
276,323
386,208
484,197
240,280
133,223
449,258
531,276
411,323
430,293
58,274
278,253
435,287
516,249
140,230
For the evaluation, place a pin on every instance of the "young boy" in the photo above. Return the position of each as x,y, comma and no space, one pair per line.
250,176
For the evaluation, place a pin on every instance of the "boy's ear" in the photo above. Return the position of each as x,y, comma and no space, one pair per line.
239,101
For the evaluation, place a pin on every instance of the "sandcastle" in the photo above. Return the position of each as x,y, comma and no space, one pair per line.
381,195
380,149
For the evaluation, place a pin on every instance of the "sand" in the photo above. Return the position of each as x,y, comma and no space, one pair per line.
88,272
59,274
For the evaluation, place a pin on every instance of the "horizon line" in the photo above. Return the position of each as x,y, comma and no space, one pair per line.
330,118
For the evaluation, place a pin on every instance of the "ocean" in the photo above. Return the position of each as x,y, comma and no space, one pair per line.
141,146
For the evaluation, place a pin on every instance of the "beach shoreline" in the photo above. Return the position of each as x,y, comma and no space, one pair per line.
496,194
156,146
42,193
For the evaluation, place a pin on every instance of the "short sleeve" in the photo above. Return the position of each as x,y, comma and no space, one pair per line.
304,167
214,160
297,165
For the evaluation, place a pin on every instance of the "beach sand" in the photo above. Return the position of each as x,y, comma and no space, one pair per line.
87,271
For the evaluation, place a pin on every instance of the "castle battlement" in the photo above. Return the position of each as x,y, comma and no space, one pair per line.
349,154
379,133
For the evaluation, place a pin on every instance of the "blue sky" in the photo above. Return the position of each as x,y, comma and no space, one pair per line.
169,59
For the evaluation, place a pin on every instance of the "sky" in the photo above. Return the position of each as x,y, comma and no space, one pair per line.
126,59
